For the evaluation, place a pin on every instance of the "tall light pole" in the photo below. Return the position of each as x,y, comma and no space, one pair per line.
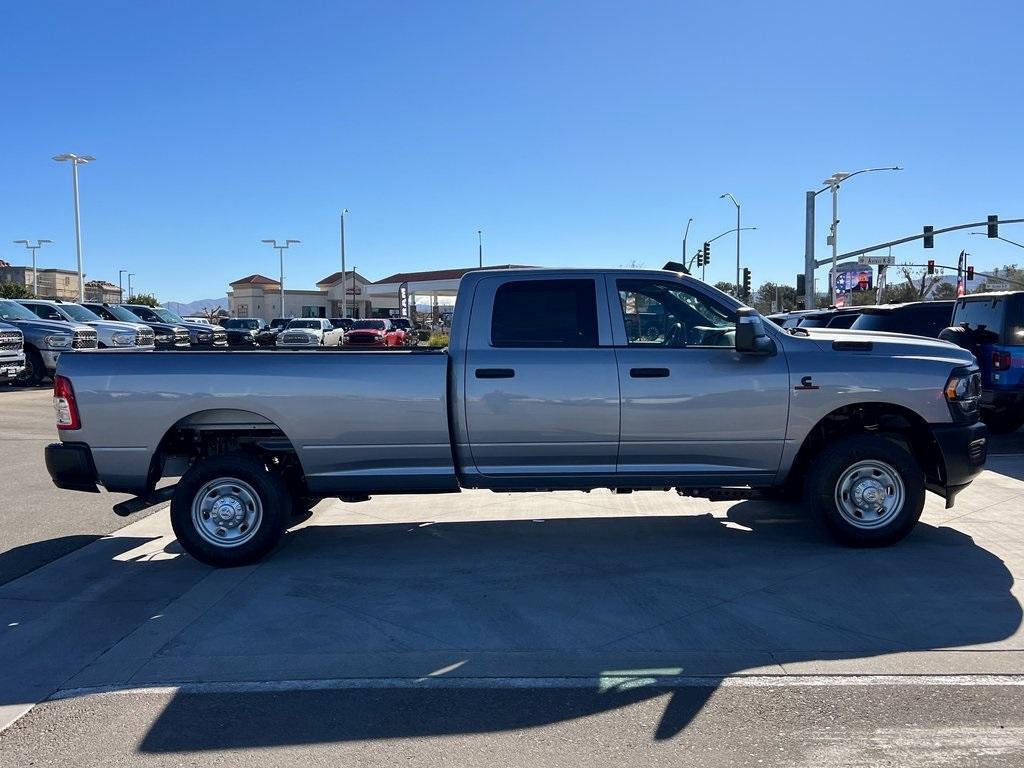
480,246
738,228
687,232
832,184
130,276
280,252
35,274
120,286
344,278
77,160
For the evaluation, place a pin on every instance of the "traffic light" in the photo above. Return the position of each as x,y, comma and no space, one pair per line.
801,284
993,226
931,266
746,283
970,272
707,253
700,258
929,239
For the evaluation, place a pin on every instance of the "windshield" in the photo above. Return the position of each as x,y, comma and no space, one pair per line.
305,324
11,310
116,313
249,325
80,313
374,325
167,316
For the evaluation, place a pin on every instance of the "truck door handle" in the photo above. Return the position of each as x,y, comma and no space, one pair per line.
495,373
648,373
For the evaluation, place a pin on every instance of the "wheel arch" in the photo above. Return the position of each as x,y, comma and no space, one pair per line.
889,420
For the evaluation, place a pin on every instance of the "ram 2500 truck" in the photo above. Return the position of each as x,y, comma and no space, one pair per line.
45,340
549,383
12,352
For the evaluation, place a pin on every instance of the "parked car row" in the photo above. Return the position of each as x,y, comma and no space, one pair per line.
990,325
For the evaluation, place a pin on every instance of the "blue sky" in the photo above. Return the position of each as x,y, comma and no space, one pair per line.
571,133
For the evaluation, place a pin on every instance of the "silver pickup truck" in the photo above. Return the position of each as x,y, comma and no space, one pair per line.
553,380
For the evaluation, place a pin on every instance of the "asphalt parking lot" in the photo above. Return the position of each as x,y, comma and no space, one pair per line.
487,628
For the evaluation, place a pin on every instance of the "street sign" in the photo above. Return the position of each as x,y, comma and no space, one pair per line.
996,285
886,261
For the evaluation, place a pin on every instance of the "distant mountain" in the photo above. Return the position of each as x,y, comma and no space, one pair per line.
196,307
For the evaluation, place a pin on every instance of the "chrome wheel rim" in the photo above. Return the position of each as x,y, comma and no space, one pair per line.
869,494
227,512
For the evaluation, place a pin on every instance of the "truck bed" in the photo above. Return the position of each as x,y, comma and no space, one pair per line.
354,418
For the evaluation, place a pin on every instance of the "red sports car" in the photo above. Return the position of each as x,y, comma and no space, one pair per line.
374,333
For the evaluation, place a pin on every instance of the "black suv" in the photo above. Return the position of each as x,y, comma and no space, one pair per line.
917,318
168,335
244,331
268,336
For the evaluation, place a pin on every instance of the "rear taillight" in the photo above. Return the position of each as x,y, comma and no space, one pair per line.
1001,361
64,404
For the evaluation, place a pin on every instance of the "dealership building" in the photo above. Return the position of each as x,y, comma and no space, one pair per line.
346,294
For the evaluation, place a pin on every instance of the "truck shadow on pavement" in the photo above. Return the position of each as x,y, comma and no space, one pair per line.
626,604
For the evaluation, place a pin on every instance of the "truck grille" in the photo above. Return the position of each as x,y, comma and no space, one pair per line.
10,340
145,338
84,340
181,338
220,336
297,338
362,338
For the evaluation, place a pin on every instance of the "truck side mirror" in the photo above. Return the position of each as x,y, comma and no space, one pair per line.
751,338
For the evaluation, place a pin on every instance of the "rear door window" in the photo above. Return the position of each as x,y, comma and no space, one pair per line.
545,313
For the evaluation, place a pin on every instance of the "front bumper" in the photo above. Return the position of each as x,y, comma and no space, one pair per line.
10,367
71,466
961,452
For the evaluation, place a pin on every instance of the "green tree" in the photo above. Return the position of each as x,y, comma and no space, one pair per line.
14,291
725,287
1009,273
916,286
765,297
944,291
147,299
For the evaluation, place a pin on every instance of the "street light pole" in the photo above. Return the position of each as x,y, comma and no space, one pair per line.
738,228
120,286
35,273
685,233
480,246
130,276
344,278
77,160
832,183
280,252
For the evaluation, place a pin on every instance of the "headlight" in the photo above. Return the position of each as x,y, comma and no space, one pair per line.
57,341
124,339
963,393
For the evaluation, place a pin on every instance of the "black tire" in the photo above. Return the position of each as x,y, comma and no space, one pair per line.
302,505
249,474
823,497
1002,422
34,371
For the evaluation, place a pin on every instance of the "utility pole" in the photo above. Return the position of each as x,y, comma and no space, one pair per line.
738,228
809,251
35,273
77,160
130,276
120,284
480,246
344,278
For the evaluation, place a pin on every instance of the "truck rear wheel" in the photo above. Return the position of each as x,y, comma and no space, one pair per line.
230,510
869,490
34,372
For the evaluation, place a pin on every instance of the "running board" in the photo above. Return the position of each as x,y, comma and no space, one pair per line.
140,503
722,494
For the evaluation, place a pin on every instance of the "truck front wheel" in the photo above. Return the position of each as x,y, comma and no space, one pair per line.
869,490
230,510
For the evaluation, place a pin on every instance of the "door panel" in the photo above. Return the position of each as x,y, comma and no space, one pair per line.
693,408
541,393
